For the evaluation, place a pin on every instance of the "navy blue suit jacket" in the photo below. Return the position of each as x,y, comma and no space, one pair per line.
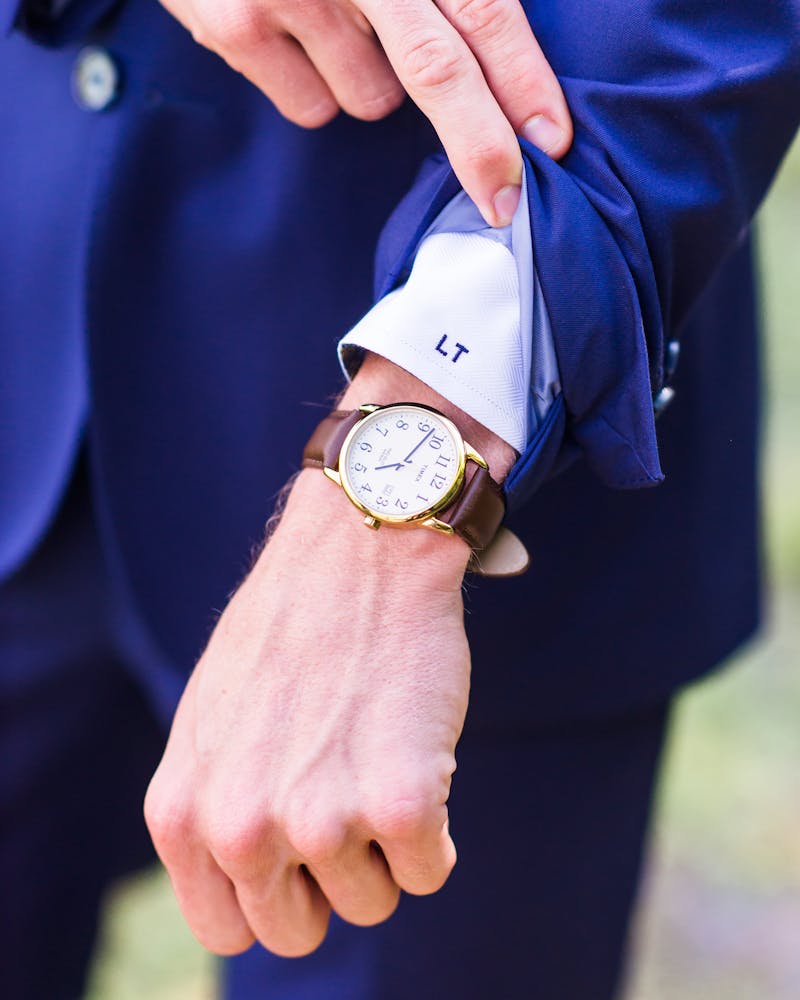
176,271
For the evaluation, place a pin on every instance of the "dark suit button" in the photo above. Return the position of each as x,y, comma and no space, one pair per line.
672,354
95,79
662,399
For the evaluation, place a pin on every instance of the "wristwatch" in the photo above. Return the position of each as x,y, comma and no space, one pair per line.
406,465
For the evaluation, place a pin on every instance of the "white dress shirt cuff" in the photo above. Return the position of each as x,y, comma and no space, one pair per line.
462,322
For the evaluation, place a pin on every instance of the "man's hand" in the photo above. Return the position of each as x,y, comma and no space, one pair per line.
472,66
310,758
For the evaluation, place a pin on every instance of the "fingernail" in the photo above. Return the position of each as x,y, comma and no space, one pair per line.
542,132
505,204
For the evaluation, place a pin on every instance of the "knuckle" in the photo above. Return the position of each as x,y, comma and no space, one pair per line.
316,839
431,63
491,156
230,26
167,822
400,816
481,20
236,844
300,13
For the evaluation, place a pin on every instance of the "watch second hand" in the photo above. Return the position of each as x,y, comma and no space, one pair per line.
422,442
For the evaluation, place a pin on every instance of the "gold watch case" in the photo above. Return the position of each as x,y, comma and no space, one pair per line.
427,517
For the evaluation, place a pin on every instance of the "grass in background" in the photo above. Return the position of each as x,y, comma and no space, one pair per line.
146,951
720,916
780,271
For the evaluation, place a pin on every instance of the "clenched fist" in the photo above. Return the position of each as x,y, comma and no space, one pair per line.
310,759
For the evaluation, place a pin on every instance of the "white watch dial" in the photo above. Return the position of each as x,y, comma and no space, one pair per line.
401,461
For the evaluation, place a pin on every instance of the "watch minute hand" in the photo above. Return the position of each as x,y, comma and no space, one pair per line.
422,442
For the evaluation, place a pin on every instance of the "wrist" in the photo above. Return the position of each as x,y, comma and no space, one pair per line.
380,381
320,520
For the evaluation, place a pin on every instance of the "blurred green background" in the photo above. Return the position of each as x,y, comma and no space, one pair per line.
720,912
719,917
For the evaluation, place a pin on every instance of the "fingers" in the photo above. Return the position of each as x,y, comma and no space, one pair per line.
205,894
287,910
249,883
243,870
279,67
309,58
443,78
420,852
472,66
286,893
357,882
282,904
342,47
515,68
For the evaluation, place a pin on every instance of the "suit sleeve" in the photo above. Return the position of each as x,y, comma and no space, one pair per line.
682,114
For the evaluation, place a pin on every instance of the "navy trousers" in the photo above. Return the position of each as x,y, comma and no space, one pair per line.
549,824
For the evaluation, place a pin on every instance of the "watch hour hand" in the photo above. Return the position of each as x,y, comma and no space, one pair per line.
391,465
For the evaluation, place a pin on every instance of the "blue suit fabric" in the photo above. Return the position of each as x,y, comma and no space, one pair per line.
176,271
202,255
83,741
546,917
79,742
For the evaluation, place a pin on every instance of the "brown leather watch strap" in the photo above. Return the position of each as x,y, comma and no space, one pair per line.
475,514
322,450
478,510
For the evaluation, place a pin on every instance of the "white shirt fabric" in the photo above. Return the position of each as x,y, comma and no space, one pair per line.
470,322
